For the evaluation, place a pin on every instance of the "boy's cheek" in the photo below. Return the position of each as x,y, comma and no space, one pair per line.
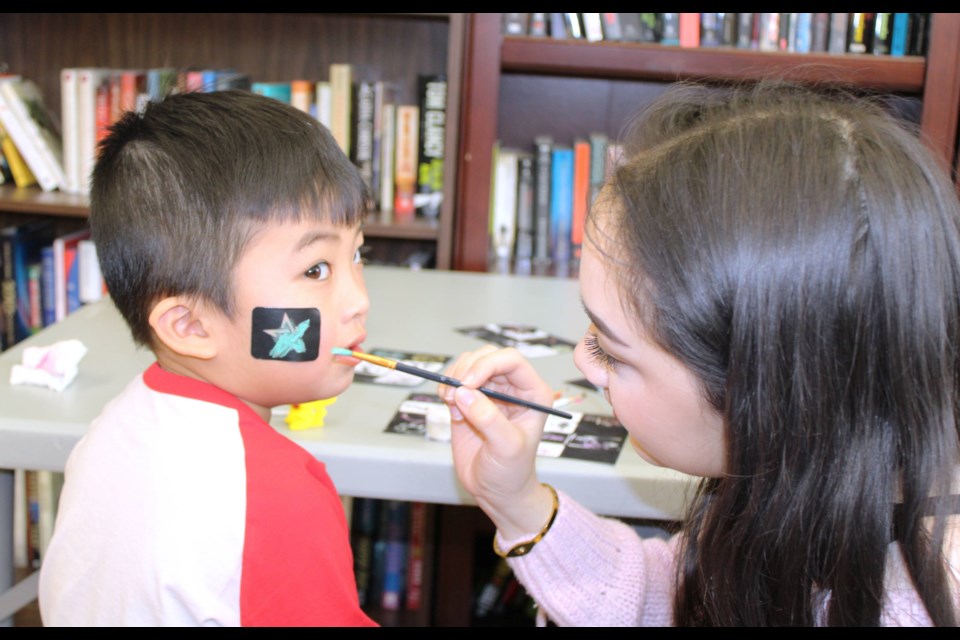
285,334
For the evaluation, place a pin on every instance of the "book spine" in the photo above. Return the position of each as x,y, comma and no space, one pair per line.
364,521
302,94
561,203
70,129
72,277
544,154
89,80
581,194
8,290
341,86
820,32
803,28
47,286
432,134
503,216
22,176
91,285
35,297
323,102
525,204
395,554
860,33
689,30
882,33
388,162
839,24
592,26
745,23
669,29
405,162
416,556
361,144
899,35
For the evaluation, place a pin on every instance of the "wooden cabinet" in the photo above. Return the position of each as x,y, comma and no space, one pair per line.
515,87
265,46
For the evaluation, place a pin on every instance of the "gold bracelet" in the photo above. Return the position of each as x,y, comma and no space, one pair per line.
524,548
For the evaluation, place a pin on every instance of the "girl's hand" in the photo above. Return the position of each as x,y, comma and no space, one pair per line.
495,443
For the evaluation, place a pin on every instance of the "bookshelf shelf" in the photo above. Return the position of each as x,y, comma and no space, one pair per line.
638,61
520,86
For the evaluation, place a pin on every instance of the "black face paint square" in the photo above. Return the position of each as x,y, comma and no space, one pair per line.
288,335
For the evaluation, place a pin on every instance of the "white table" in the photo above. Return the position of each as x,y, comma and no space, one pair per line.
410,310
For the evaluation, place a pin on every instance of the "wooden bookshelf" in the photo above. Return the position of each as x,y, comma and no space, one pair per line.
267,47
515,87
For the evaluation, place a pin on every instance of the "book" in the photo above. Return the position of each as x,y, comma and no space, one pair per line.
47,286
388,151
746,31
91,284
322,102
543,154
820,32
277,90
70,130
711,29
630,27
860,33
384,94
768,32
89,81
882,33
526,188
900,32
66,272
573,26
558,25
561,203
592,25
365,519
611,26
34,129
19,170
839,24
538,25
689,29
515,24
919,34
302,94
21,245
416,555
581,194
669,33
728,29
503,204
432,91
405,162
341,103
361,130
395,539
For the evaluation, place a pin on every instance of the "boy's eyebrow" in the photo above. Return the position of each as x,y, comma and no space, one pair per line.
601,325
317,236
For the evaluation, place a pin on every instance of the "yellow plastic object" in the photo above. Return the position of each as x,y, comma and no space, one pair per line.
308,415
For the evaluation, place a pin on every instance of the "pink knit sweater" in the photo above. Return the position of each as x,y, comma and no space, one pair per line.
595,571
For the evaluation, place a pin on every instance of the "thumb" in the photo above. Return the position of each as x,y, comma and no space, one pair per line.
477,409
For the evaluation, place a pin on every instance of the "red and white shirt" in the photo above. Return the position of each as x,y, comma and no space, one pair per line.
181,506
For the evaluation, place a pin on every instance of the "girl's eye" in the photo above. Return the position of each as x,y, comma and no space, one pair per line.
597,354
319,271
360,257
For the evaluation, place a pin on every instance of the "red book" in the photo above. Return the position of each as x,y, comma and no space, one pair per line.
415,555
690,30
581,193
405,167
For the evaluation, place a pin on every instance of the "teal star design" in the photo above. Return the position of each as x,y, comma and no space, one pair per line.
287,337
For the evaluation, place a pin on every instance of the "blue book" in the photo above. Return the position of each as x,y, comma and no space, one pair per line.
804,33
47,286
278,90
395,554
561,203
901,31
20,247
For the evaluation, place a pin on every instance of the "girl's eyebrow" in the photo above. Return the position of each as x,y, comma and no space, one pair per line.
601,325
317,236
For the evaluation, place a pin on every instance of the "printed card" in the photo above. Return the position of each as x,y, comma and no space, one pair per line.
595,438
529,340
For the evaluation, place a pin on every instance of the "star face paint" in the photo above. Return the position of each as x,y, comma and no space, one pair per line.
289,335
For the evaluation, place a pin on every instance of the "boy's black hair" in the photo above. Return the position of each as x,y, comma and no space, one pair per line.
180,189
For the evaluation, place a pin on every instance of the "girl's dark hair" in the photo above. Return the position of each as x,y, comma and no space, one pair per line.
799,251
180,189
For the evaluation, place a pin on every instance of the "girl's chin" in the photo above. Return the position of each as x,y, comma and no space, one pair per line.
643,453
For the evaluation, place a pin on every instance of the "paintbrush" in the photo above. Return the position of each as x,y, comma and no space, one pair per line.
442,379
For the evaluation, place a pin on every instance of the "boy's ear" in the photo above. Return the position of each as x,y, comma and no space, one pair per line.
183,326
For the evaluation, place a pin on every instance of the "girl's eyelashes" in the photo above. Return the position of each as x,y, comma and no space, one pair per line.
319,271
596,352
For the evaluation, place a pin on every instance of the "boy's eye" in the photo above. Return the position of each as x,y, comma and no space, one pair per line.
319,271
360,257
597,354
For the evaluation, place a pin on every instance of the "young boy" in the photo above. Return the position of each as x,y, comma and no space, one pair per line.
228,227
